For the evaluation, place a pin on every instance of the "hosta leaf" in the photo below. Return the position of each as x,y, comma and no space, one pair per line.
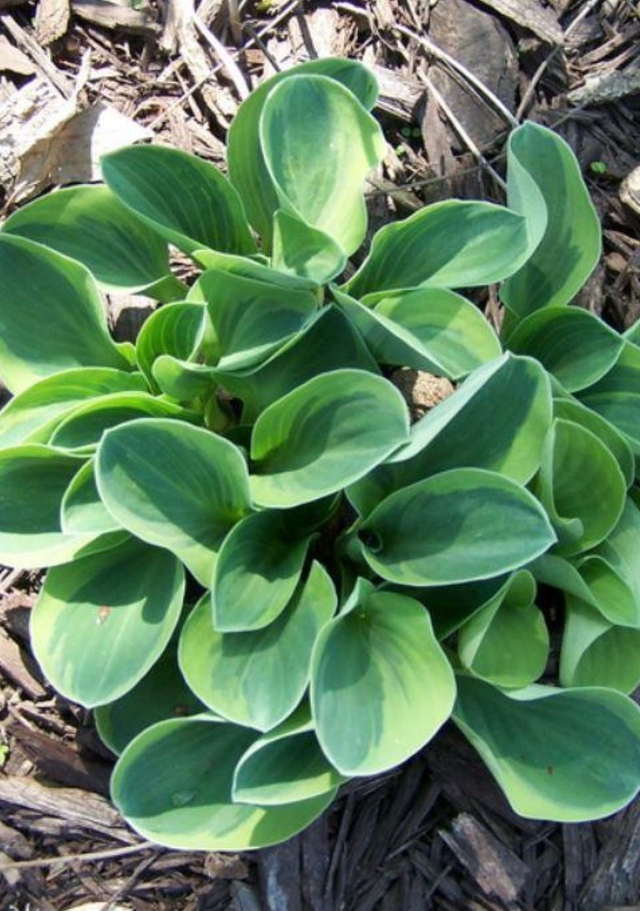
327,433
617,396
329,342
300,249
161,694
248,268
450,606
81,510
380,684
182,380
191,762
257,678
251,319
622,548
572,410
451,244
247,167
33,480
257,570
427,328
467,429
175,486
581,487
573,344
597,653
565,755
285,765
609,588
318,144
570,246
89,224
86,424
175,329
32,415
507,642
435,531
185,199
46,289
100,623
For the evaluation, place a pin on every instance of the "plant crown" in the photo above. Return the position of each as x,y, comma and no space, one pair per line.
353,580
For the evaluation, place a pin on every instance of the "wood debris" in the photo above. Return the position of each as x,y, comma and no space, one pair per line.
51,20
530,15
13,60
607,87
116,16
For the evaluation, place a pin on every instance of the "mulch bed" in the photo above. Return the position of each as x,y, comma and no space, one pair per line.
437,833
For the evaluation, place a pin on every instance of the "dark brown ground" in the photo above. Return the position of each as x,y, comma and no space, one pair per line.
436,834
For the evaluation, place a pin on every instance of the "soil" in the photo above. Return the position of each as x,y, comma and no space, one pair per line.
436,833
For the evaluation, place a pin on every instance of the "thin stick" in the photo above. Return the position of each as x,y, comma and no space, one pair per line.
437,52
288,9
539,73
233,70
131,881
10,579
73,858
462,133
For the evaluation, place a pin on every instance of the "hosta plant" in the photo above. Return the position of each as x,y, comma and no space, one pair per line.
264,578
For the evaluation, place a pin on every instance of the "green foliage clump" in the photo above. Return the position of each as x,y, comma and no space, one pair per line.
263,577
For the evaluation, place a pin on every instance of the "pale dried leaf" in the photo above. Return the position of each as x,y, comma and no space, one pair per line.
46,139
630,190
51,21
12,60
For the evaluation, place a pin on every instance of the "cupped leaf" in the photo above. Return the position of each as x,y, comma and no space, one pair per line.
32,415
622,547
185,199
301,249
381,686
89,224
575,346
173,485
318,144
81,510
257,570
570,246
572,410
450,606
468,429
46,289
436,532
257,268
33,480
161,694
425,328
610,591
175,330
182,380
250,319
329,342
100,623
507,642
86,424
451,244
191,762
259,677
564,755
324,435
285,765
247,167
597,653
617,396
581,487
